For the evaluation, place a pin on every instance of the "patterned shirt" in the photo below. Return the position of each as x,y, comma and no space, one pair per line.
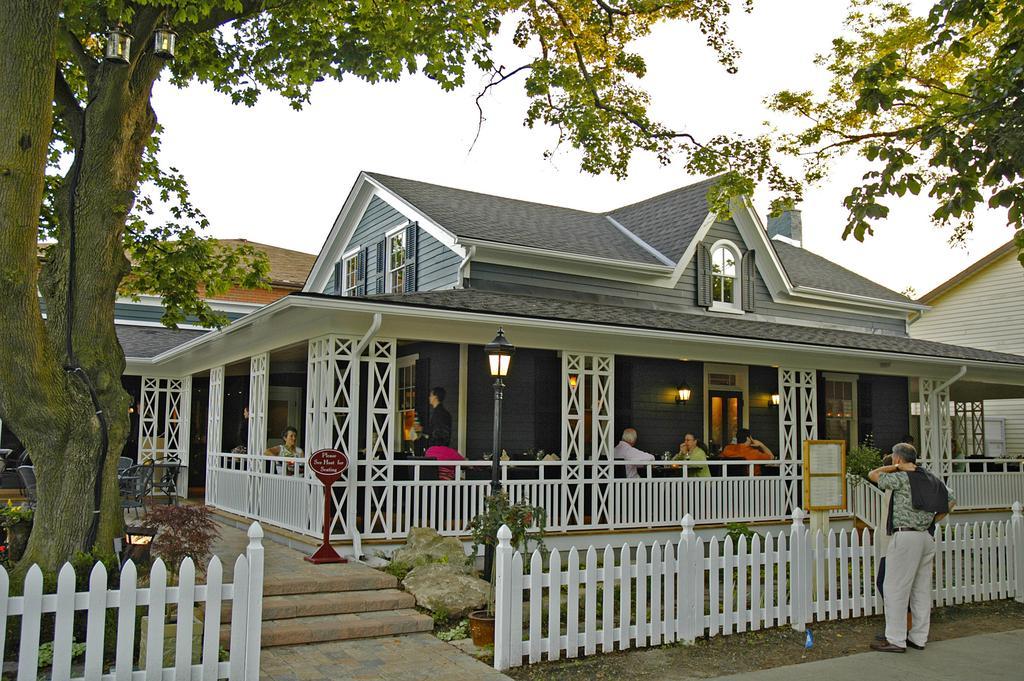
903,512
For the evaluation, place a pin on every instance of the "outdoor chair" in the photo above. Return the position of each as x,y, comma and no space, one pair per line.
27,475
136,484
124,463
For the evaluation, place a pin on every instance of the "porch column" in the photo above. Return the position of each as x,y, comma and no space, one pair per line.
969,428
798,421
165,406
379,355
936,426
259,386
214,430
588,389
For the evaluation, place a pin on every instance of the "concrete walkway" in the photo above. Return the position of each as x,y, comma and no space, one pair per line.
978,658
412,657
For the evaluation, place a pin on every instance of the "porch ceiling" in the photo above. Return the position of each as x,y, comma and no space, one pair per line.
469,316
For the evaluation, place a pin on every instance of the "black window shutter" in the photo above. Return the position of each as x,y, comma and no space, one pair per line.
361,271
748,270
375,283
381,257
339,285
703,276
412,232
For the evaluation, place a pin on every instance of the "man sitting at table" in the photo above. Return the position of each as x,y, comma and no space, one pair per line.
625,451
689,450
749,449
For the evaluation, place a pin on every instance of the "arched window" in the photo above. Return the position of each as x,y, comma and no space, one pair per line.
725,289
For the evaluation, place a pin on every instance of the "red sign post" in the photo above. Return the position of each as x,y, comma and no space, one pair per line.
328,465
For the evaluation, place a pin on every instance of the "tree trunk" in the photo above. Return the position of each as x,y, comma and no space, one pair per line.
47,405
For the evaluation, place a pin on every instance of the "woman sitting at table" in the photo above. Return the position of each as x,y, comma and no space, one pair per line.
689,450
439,453
288,448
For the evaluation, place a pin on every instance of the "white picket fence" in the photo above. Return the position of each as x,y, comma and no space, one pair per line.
678,591
245,594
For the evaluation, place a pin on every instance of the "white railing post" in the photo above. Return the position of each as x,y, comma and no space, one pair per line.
503,598
690,571
254,623
1017,539
799,572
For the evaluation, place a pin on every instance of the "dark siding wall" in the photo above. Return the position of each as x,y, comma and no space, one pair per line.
532,410
883,409
438,365
645,399
495,277
764,417
437,265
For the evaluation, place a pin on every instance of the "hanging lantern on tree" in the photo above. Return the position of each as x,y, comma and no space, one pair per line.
119,45
163,41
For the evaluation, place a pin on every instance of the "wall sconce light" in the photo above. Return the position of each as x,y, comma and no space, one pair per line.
775,399
683,394
574,380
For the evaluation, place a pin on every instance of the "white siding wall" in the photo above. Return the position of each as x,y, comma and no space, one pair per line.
985,311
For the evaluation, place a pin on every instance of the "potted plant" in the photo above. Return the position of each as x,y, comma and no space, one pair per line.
17,521
526,523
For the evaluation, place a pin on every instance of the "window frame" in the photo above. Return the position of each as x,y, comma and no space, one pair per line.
854,416
736,306
390,271
353,257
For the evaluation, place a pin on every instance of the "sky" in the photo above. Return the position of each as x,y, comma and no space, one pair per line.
274,175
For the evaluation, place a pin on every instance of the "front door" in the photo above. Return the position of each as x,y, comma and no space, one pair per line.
725,416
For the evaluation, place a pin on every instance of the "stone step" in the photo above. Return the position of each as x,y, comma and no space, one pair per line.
298,630
336,603
360,578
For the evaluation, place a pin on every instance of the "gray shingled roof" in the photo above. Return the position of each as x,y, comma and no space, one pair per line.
669,221
143,342
473,215
518,305
810,269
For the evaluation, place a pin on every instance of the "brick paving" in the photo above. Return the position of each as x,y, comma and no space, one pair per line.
412,657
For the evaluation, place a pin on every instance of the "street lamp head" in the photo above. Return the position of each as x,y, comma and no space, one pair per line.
499,354
164,40
119,46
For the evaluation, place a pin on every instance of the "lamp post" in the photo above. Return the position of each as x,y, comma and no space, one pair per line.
499,356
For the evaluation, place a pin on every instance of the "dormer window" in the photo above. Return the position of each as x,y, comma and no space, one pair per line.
350,272
396,261
725,277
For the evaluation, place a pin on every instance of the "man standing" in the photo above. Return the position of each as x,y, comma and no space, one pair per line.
919,499
439,425
625,451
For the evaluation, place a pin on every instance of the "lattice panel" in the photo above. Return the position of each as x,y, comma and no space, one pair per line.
259,385
592,397
379,358
798,421
936,426
969,428
215,412
164,413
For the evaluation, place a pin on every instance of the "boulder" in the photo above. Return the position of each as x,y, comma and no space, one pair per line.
439,587
425,545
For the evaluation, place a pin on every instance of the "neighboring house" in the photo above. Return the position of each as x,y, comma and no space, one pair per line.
983,307
658,315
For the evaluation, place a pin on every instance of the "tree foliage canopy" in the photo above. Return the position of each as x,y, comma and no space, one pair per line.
934,103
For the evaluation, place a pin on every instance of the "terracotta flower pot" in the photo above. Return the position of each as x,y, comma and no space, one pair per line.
481,628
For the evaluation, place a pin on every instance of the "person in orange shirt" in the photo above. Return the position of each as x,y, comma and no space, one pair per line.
749,449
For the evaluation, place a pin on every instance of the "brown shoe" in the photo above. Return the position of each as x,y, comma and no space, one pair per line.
887,647
914,645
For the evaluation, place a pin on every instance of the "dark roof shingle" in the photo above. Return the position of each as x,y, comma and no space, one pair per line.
518,305
668,222
143,342
810,269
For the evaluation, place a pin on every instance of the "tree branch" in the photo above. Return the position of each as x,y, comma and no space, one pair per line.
85,61
497,78
68,107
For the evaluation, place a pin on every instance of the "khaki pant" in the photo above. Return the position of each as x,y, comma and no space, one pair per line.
908,580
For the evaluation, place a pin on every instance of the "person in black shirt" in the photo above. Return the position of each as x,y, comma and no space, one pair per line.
438,432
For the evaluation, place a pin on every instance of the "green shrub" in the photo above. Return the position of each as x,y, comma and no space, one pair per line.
863,459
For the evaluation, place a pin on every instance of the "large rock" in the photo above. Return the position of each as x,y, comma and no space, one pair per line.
439,587
425,546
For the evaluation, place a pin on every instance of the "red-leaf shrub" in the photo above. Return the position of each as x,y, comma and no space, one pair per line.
183,530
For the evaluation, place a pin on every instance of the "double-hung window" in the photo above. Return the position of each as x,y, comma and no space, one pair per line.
396,261
350,274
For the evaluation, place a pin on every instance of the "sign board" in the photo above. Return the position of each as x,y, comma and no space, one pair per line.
824,467
328,463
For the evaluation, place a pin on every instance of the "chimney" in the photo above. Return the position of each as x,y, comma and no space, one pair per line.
786,227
